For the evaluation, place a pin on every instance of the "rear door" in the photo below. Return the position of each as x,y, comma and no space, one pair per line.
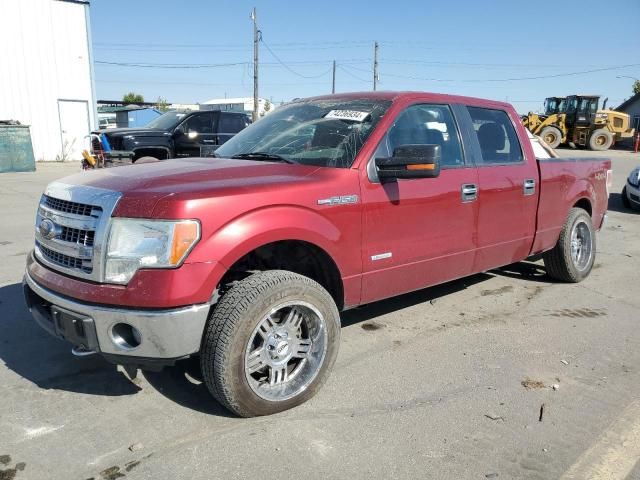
422,231
507,189
198,129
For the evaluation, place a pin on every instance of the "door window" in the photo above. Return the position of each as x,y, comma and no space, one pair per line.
425,125
496,135
202,123
230,123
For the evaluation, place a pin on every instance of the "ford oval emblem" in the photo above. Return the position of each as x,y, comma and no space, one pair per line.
47,229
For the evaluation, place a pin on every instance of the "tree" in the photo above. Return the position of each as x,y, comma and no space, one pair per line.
162,104
132,97
636,87
267,107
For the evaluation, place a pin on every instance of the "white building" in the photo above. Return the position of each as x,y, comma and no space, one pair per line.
47,73
241,104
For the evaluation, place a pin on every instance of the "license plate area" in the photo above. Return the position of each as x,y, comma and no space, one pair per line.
75,328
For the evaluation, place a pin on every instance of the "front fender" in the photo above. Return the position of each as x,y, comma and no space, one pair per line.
270,224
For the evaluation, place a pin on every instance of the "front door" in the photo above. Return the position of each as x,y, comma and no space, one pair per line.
74,127
197,130
419,232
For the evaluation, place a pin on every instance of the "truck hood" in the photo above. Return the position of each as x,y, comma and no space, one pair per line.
138,132
142,186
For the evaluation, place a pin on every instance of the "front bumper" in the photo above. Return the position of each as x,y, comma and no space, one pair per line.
165,335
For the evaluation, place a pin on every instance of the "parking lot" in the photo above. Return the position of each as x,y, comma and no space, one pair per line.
505,374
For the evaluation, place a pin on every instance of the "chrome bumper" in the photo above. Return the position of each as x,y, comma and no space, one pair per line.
164,334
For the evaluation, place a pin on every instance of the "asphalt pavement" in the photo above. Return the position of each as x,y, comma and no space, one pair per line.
503,375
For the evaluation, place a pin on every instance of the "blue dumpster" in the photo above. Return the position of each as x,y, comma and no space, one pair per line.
16,151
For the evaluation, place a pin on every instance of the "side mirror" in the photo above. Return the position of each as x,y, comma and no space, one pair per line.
178,132
410,161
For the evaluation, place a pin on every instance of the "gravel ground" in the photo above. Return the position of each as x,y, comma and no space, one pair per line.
452,382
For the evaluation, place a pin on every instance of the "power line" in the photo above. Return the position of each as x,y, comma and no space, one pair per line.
537,77
289,68
342,67
169,65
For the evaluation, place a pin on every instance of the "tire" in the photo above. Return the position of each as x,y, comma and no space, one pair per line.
573,264
600,140
625,200
552,136
254,316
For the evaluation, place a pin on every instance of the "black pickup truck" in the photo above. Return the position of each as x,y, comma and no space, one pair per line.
176,134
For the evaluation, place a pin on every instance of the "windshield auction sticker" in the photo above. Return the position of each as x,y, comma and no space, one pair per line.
352,115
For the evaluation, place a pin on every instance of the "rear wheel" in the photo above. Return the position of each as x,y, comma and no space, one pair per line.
601,139
552,136
571,260
270,343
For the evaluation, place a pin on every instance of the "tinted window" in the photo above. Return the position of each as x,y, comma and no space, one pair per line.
230,123
425,125
496,136
167,121
201,123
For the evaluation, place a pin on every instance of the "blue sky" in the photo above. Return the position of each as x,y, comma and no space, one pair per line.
466,47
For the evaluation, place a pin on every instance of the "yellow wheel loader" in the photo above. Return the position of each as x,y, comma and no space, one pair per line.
578,122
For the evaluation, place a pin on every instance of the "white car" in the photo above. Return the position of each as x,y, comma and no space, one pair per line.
631,191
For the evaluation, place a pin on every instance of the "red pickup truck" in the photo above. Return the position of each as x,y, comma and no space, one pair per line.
325,204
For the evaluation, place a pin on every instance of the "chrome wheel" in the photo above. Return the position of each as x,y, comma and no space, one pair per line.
285,351
581,245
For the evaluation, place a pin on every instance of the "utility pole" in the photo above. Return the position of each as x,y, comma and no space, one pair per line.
333,82
256,39
375,65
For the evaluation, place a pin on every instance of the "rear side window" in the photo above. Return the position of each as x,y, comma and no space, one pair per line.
231,123
497,137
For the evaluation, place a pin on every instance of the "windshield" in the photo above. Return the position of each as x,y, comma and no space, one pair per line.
326,133
551,106
166,121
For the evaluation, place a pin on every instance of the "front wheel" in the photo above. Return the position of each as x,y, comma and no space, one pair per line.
552,136
571,260
270,343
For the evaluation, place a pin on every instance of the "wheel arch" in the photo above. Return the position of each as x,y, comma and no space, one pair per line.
308,245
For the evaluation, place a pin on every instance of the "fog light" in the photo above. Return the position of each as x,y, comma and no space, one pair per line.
125,336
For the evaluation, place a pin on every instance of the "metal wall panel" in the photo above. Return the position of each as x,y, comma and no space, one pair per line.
44,57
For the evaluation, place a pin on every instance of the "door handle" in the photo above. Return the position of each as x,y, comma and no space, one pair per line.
529,186
469,192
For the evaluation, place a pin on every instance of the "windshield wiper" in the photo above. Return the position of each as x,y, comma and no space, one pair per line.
262,156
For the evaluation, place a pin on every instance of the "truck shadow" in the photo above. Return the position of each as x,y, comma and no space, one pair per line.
47,362
183,384
34,355
383,307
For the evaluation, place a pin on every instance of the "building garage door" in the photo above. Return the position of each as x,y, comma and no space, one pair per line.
74,127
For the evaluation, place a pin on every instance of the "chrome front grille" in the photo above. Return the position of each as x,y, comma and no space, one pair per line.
66,206
63,260
77,235
71,227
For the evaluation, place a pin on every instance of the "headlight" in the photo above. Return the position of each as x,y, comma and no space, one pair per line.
634,177
135,244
